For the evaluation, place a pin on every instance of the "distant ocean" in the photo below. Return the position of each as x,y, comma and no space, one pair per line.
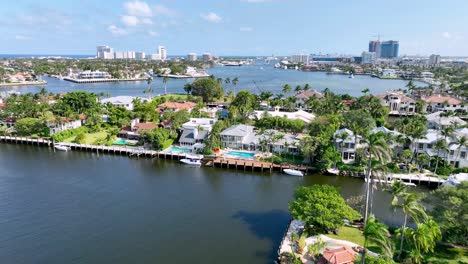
13,56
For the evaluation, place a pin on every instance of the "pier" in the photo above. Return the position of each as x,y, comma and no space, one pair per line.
252,165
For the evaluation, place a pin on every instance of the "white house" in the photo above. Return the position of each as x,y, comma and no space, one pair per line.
123,101
297,115
93,75
443,103
65,124
347,146
436,121
389,73
195,131
398,103
244,137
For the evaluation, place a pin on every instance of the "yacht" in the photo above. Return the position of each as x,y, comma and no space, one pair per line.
193,160
293,172
62,148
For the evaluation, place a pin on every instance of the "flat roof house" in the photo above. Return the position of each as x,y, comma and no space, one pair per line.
123,101
195,131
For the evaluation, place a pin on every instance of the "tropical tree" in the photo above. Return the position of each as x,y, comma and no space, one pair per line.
440,145
235,81
227,80
298,88
378,149
286,89
411,206
377,234
306,87
165,80
207,88
188,88
411,86
460,142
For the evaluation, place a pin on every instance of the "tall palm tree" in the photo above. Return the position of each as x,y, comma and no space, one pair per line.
234,82
440,145
411,86
298,88
165,80
377,234
411,206
227,80
219,80
306,87
286,89
460,142
378,149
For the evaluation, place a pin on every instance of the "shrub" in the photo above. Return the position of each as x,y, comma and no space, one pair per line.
60,136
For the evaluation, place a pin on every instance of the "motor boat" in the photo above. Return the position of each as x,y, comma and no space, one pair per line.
333,171
62,148
351,76
293,172
192,160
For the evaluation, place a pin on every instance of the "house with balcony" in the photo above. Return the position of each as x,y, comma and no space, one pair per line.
63,124
347,144
195,131
443,103
297,115
398,103
124,101
135,129
302,97
244,137
438,121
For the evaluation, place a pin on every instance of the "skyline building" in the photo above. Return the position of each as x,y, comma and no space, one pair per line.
207,57
162,52
104,52
434,59
192,56
300,58
368,57
375,46
140,55
389,49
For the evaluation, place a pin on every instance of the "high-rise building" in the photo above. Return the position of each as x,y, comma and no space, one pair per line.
434,59
155,56
300,58
162,52
192,57
104,52
139,55
389,49
374,46
120,55
207,57
368,57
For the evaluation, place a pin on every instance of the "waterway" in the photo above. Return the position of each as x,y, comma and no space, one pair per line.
255,78
80,207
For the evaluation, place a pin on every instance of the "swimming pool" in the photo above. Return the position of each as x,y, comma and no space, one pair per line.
180,150
120,142
245,155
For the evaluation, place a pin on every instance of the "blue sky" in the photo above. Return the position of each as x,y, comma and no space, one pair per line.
233,27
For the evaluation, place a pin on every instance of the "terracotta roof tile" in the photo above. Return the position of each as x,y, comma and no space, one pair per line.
179,106
340,255
442,100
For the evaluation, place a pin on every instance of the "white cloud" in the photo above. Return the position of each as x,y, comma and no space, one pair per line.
164,10
147,21
246,29
153,33
447,35
115,30
130,21
211,17
22,37
137,8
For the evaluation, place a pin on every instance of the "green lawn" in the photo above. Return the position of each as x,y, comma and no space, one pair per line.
350,234
449,255
90,138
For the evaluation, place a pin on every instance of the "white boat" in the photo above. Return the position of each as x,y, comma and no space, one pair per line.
351,76
62,148
293,172
192,160
333,171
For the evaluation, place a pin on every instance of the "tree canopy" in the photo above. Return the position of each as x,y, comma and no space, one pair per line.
207,88
321,207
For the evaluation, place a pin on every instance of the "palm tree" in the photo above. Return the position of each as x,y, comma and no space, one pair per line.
377,234
298,88
440,145
461,142
376,148
411,206
227,80
411,86
219,80
306,87
188,88
286,89
234,82
397,189
421,160
165,80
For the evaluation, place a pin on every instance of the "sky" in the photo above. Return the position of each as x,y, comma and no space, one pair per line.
233,27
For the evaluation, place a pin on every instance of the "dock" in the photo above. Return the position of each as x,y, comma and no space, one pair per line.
252,165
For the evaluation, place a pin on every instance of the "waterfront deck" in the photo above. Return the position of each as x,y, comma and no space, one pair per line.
251,165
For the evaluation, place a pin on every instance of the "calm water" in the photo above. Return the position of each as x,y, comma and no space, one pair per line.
79,207
265,76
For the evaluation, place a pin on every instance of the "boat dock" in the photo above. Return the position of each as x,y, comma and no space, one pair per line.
252,165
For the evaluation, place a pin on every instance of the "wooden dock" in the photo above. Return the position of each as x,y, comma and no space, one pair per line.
251,165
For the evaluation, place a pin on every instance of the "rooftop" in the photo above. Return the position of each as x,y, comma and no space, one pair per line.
442,100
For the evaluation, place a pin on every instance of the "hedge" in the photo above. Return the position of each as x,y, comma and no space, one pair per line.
60,136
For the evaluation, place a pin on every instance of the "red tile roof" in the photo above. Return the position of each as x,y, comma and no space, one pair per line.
144,126
306,94
340,255
2,105
442,100
178,106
